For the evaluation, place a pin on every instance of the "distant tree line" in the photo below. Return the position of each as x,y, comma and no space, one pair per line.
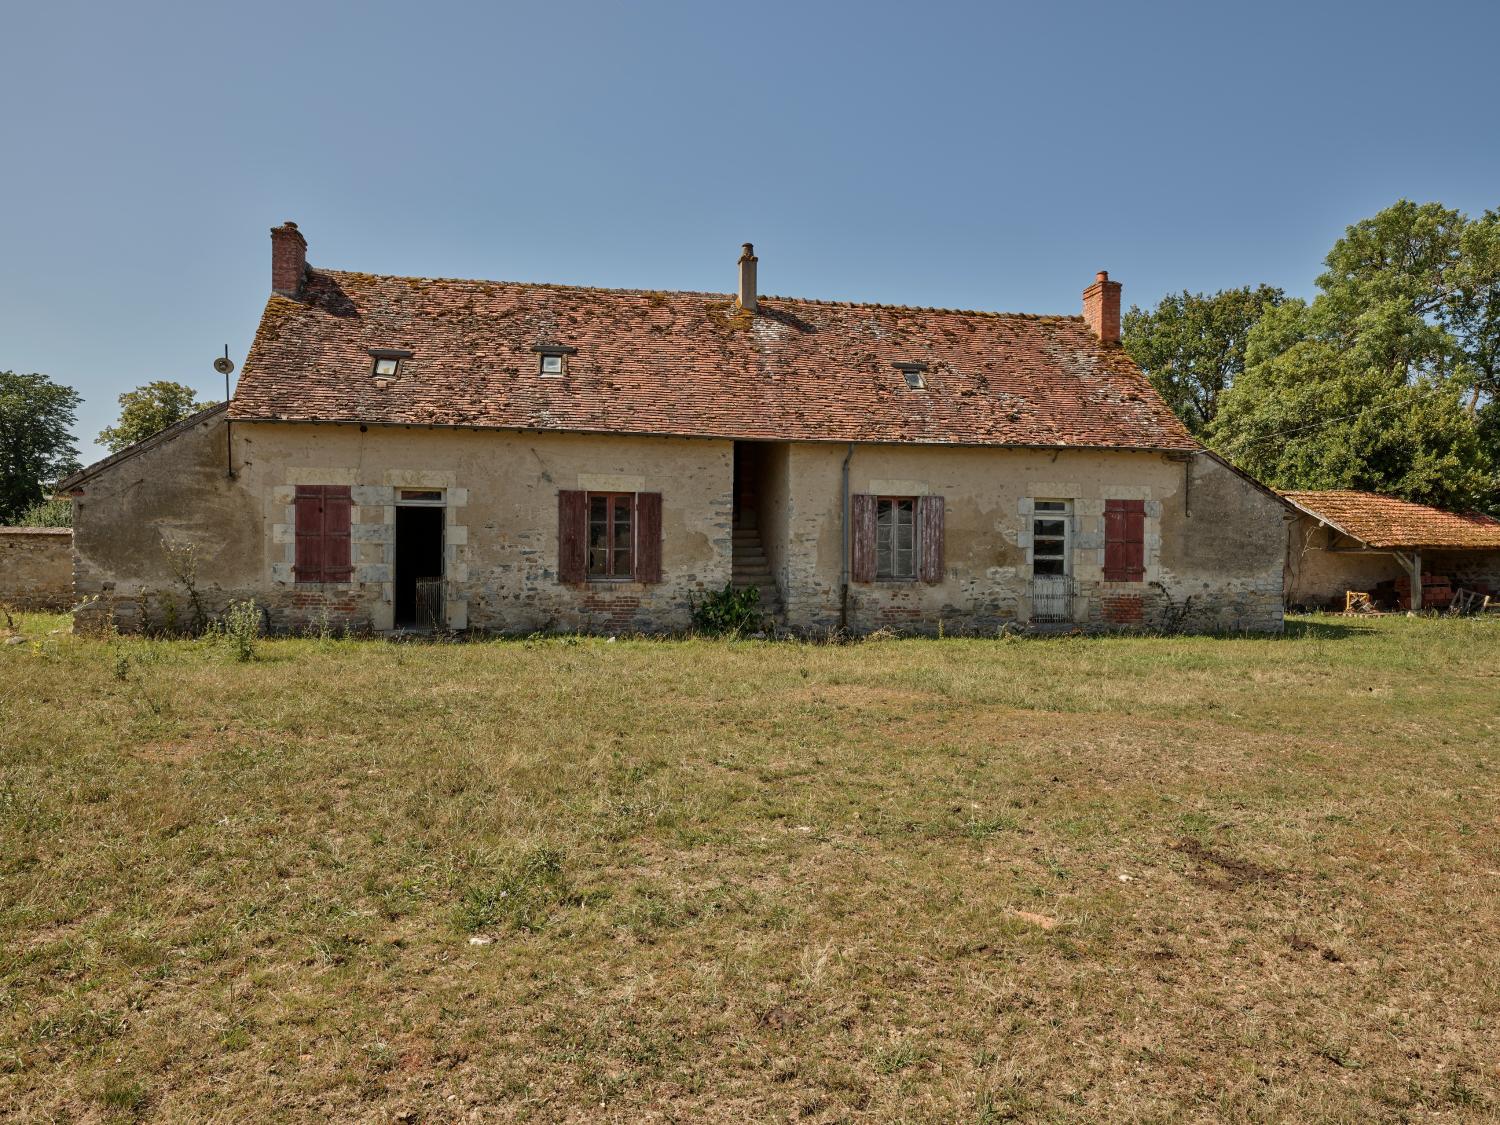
1387,380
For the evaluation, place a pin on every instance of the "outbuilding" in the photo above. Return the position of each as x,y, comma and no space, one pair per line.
1402,555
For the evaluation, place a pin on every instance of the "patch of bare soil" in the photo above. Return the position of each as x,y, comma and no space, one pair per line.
1235,871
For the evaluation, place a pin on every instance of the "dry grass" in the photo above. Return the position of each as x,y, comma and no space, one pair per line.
912,880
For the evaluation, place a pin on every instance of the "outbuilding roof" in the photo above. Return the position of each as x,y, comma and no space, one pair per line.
691,364
1385,521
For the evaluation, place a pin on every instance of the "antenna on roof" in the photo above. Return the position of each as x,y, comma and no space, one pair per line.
225,367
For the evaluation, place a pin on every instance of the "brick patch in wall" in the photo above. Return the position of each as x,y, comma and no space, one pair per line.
1124,609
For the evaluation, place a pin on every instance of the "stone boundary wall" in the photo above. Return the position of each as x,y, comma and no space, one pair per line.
36,567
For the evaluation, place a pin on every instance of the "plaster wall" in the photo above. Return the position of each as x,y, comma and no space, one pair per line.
500,535
1214,551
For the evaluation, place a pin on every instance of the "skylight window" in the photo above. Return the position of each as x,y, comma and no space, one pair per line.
387,362
915,374
553,359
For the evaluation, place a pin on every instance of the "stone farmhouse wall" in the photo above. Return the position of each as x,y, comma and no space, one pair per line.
36,567
500,535
1215,544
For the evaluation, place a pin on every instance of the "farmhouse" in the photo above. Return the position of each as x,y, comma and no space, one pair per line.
1403,555
404,452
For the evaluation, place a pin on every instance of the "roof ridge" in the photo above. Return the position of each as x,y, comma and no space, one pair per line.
648,293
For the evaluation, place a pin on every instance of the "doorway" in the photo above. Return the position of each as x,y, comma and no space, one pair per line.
419,566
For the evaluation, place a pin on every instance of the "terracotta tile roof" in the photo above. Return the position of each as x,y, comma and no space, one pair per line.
1384,521
692,364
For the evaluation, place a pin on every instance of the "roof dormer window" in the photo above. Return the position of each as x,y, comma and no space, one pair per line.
553,361
387,362
915,374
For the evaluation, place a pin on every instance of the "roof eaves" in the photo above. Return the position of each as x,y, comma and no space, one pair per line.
1174,450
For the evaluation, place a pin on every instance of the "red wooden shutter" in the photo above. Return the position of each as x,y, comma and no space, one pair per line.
323,518
572,536
930,537
1124,540
862,538
648,537
338,507
309,533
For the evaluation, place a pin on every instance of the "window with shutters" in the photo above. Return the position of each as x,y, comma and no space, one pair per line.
895,538
609,536
1124,540
1052,537
323,518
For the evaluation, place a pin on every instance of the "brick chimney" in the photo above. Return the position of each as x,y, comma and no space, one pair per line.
288,259
1101,308
747,278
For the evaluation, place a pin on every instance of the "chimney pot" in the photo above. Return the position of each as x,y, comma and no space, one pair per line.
747,294
288,259
1101,308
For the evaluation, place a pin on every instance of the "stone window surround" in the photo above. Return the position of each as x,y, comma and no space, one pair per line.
373,534
1088,527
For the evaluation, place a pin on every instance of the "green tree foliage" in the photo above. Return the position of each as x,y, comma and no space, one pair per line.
1471,307
36,446
1369,385
47,513
1192,346
148,410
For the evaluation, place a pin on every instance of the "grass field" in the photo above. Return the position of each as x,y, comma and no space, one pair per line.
1150,878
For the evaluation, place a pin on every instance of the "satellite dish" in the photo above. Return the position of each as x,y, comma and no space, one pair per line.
223,365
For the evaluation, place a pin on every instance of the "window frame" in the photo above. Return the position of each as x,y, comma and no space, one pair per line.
891,575
615,501
394,372
562,365
1064,514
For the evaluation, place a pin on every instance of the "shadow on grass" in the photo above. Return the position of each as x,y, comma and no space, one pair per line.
1324,630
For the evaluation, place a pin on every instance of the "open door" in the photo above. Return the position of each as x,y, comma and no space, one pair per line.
419,565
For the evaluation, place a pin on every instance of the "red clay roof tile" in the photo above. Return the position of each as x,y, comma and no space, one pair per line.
1385,521
692,364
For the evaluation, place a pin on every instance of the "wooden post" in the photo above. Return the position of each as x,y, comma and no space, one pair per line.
1413,564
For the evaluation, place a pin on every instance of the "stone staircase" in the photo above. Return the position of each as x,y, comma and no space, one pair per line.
751,568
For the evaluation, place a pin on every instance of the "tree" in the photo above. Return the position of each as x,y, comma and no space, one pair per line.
1192,346
1471,308
1365,387
36,445
148,410
52,512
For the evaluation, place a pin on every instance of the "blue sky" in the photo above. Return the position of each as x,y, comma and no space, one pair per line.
980,156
